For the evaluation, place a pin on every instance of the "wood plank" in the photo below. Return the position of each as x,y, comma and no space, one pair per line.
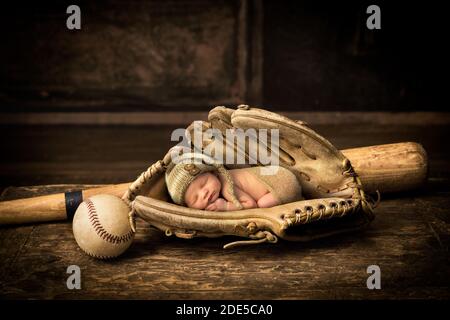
11,239
184,118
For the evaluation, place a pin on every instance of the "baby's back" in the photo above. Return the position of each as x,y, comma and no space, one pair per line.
281,182
249,183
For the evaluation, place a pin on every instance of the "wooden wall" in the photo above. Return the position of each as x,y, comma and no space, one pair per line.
192,54
136,54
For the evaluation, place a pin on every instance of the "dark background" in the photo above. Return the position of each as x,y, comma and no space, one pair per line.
173,55
97,106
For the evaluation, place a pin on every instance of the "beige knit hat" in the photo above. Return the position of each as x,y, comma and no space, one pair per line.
186,168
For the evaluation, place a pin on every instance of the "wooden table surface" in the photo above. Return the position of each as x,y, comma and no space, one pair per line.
408,240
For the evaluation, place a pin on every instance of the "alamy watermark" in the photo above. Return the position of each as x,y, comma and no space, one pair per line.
374,20
74,280
374,280
242,147
74,20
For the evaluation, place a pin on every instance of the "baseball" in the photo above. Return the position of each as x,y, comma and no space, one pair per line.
101,226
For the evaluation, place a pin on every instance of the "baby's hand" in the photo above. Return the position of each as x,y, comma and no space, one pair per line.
219,205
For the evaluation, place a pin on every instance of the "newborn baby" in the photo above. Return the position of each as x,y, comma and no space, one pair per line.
212,187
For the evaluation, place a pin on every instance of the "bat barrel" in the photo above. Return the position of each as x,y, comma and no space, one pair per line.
390,167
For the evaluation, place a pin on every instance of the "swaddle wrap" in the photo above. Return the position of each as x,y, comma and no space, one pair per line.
280,181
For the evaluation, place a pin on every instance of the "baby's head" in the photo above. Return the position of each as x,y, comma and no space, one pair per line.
202,191
193,181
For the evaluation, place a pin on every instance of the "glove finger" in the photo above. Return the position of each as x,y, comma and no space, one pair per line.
318,165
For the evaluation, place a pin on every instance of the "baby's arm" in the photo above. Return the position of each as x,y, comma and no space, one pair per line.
267,201
226,204
219,205
244,198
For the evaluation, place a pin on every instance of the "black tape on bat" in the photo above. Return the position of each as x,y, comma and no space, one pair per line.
73,200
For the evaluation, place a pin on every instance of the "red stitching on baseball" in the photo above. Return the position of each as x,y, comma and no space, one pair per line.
101,232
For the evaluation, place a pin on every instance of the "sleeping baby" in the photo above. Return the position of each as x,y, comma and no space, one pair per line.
201,185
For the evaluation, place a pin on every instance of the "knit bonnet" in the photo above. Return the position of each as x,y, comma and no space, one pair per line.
185,168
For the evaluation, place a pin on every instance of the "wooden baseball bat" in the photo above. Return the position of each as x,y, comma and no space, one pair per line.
386,168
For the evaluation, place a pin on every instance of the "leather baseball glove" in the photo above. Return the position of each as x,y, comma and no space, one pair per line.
334,203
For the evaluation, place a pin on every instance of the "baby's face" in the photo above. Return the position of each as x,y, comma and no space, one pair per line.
205,189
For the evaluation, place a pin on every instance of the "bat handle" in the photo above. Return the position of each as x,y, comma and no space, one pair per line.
53,207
